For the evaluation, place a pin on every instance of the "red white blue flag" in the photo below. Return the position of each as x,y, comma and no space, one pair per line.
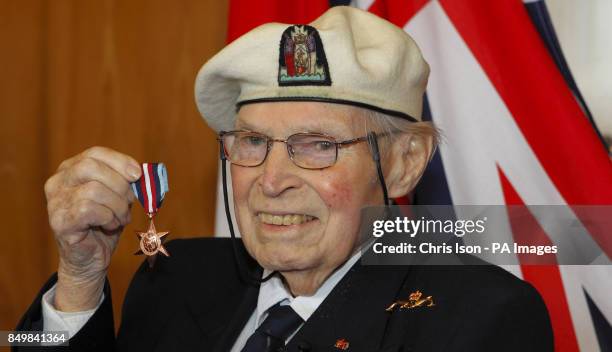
516,132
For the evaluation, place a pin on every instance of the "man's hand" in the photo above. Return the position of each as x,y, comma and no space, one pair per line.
88,201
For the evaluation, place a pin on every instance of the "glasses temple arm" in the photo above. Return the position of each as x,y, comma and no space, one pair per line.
372,140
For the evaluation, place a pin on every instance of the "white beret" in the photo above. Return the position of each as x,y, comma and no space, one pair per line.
346,56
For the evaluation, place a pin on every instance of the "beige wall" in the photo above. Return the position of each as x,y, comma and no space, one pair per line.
117,73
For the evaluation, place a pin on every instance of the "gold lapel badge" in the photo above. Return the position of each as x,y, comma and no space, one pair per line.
415,300
342,344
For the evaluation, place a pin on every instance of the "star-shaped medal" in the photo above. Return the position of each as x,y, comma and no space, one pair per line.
151,243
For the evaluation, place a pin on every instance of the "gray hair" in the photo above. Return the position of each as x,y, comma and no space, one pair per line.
382,123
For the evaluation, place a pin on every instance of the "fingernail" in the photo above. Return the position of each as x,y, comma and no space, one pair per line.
133,172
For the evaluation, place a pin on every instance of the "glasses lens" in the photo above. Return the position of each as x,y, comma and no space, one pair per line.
312,151
245,148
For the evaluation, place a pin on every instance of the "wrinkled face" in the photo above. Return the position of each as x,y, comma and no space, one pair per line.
319,209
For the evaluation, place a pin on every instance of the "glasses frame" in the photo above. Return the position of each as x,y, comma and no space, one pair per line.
270,141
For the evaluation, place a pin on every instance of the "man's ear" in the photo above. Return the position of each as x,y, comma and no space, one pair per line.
406,162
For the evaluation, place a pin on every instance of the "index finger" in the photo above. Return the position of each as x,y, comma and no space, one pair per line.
124,164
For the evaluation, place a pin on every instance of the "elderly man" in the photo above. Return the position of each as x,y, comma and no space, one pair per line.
317,121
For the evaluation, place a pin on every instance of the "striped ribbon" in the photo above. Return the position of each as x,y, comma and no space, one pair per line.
152,186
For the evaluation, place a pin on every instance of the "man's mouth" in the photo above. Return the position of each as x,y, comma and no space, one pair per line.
286,219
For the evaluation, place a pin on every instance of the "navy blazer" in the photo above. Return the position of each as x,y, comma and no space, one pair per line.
196,301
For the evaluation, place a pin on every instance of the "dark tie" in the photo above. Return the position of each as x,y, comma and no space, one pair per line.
270,336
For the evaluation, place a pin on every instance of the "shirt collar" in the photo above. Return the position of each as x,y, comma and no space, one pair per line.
274,291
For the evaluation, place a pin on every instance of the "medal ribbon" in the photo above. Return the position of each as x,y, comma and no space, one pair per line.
152,186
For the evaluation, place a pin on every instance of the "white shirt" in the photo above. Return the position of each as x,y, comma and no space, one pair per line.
270,293
274,291
55,320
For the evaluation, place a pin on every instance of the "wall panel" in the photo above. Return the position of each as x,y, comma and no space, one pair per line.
23,235
113,73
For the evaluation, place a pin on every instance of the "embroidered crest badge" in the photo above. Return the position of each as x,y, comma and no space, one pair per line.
302,60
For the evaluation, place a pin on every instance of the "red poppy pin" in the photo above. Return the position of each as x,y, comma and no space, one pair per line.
342,344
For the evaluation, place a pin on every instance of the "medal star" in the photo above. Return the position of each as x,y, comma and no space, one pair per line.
151,242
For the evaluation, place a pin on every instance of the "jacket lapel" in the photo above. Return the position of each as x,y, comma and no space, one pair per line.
354,311
241,315
222,314
221,322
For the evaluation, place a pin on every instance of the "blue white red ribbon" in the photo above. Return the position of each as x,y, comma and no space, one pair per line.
152,186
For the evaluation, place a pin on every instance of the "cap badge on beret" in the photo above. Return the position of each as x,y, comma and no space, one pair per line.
302,60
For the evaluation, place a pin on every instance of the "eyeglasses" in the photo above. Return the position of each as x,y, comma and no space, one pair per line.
306,150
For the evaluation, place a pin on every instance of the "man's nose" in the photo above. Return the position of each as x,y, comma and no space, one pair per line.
278,172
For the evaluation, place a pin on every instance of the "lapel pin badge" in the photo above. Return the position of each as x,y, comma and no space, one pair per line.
342,344
415,300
